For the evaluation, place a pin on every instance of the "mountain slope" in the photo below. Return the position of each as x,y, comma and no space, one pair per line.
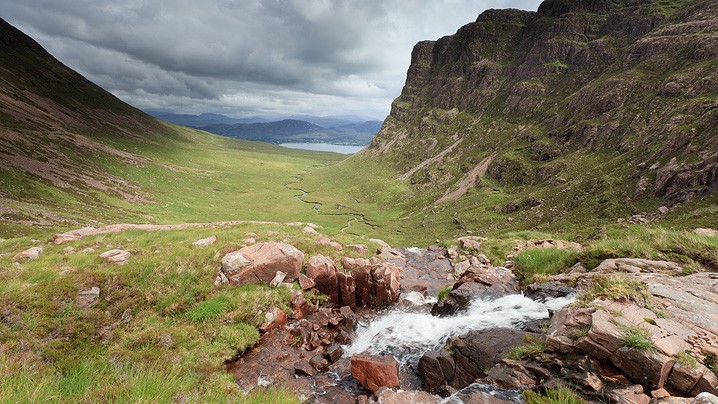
72,154
572,116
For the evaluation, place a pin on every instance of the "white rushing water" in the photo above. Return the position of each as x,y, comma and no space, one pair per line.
408,335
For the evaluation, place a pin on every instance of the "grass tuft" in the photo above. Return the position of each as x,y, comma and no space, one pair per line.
615,287
561,395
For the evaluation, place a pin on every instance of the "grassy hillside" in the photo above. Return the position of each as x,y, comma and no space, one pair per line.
73,155
564,120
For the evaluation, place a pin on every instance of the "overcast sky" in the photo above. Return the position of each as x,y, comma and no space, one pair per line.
245,57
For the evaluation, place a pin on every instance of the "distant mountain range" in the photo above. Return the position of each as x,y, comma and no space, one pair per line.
345,130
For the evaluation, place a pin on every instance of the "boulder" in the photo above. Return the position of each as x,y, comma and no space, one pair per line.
363,285
468,243
347,289
381,243
636,265
374,371
480,350
260,263
309,230
205,241
436,370
31,253
322,270
115,256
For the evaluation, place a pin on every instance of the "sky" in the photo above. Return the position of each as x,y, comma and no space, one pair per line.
246,57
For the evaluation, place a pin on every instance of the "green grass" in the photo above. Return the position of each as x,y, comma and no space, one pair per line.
160,330
444,293
543,261
636,337
562,395
528,351
617,288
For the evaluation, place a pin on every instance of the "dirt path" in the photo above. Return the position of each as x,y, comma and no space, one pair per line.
115,228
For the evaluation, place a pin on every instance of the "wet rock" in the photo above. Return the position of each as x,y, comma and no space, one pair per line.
322,270
436,370
115,256
350,319
347,289
480,350
546,290
388,396
303,368
363,285
477,283
374,372
511,375
300,306
87,298
274,318
31,253
260,263
334,353
205,241
319,363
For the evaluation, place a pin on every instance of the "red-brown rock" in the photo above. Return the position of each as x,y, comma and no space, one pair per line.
347,289
322,270
260,263
274,318
306,282
374,372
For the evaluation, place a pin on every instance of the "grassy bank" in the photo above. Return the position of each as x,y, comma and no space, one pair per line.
159,332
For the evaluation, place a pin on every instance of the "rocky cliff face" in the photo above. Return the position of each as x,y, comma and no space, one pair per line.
583,97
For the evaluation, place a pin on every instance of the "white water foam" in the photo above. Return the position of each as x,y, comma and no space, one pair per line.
408,336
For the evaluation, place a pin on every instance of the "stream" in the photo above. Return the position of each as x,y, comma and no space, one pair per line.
315,207
408,332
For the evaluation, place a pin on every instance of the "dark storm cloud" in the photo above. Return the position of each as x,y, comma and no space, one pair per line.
268,56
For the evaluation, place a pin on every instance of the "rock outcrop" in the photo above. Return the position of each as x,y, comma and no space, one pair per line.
374,372
260,263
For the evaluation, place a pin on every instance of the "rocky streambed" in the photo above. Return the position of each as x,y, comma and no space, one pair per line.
385,336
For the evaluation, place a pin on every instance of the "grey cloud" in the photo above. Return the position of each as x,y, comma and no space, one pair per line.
260,54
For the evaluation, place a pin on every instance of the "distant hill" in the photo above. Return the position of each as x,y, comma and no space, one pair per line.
345,130
206,119
264,131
